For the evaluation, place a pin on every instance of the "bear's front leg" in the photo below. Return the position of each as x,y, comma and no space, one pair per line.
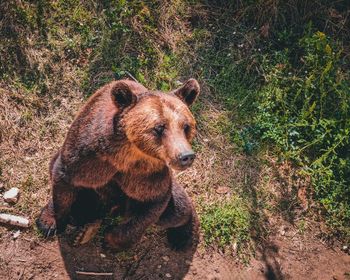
142,215
181,220
54,215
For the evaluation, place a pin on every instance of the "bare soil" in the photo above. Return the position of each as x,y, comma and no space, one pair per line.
287,254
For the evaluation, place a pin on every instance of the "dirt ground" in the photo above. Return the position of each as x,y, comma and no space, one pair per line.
286,255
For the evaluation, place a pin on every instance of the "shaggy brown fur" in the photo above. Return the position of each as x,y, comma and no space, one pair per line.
124,140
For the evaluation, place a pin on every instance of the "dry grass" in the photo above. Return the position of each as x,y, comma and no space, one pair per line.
33,125
30,135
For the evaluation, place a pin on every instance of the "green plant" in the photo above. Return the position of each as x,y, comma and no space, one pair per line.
304,111
288,94
227,224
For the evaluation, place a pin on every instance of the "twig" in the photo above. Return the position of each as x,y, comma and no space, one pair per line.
14,220
131,76
94,273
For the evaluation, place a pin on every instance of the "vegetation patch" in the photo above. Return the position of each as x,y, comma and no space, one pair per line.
286,85
303,111
228,225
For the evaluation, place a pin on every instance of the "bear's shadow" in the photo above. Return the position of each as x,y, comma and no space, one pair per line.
152,258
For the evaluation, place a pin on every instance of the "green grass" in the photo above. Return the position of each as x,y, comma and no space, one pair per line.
228,225
303,111
288,95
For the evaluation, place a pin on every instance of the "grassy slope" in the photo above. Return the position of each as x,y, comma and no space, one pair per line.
280,69
57,53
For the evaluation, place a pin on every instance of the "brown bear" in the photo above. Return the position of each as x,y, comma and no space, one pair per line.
122,146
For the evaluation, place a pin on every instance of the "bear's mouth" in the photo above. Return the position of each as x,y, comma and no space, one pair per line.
179,168
177,165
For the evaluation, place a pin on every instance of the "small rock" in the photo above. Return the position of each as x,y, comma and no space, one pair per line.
345,248
168,275
222,190
283,230
16,234
166,258
159,266
11,195
234,247
102,255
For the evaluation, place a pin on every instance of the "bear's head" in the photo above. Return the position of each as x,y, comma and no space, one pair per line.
159,125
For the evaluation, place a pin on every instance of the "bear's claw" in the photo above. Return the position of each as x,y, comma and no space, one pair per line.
45,229
51,232
46,222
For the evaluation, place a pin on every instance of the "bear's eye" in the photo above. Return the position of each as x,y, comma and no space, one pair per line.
159,129
187,129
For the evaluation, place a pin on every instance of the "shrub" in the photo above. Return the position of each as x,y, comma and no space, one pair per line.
304,111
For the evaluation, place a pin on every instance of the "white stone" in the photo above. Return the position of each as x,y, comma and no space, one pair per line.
168,275
11,195
16,234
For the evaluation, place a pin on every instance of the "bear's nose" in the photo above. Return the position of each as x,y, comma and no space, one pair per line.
186,158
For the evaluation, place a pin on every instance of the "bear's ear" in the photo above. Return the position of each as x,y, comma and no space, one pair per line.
122,95
188,92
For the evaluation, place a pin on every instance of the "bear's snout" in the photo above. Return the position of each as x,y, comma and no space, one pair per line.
186,159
